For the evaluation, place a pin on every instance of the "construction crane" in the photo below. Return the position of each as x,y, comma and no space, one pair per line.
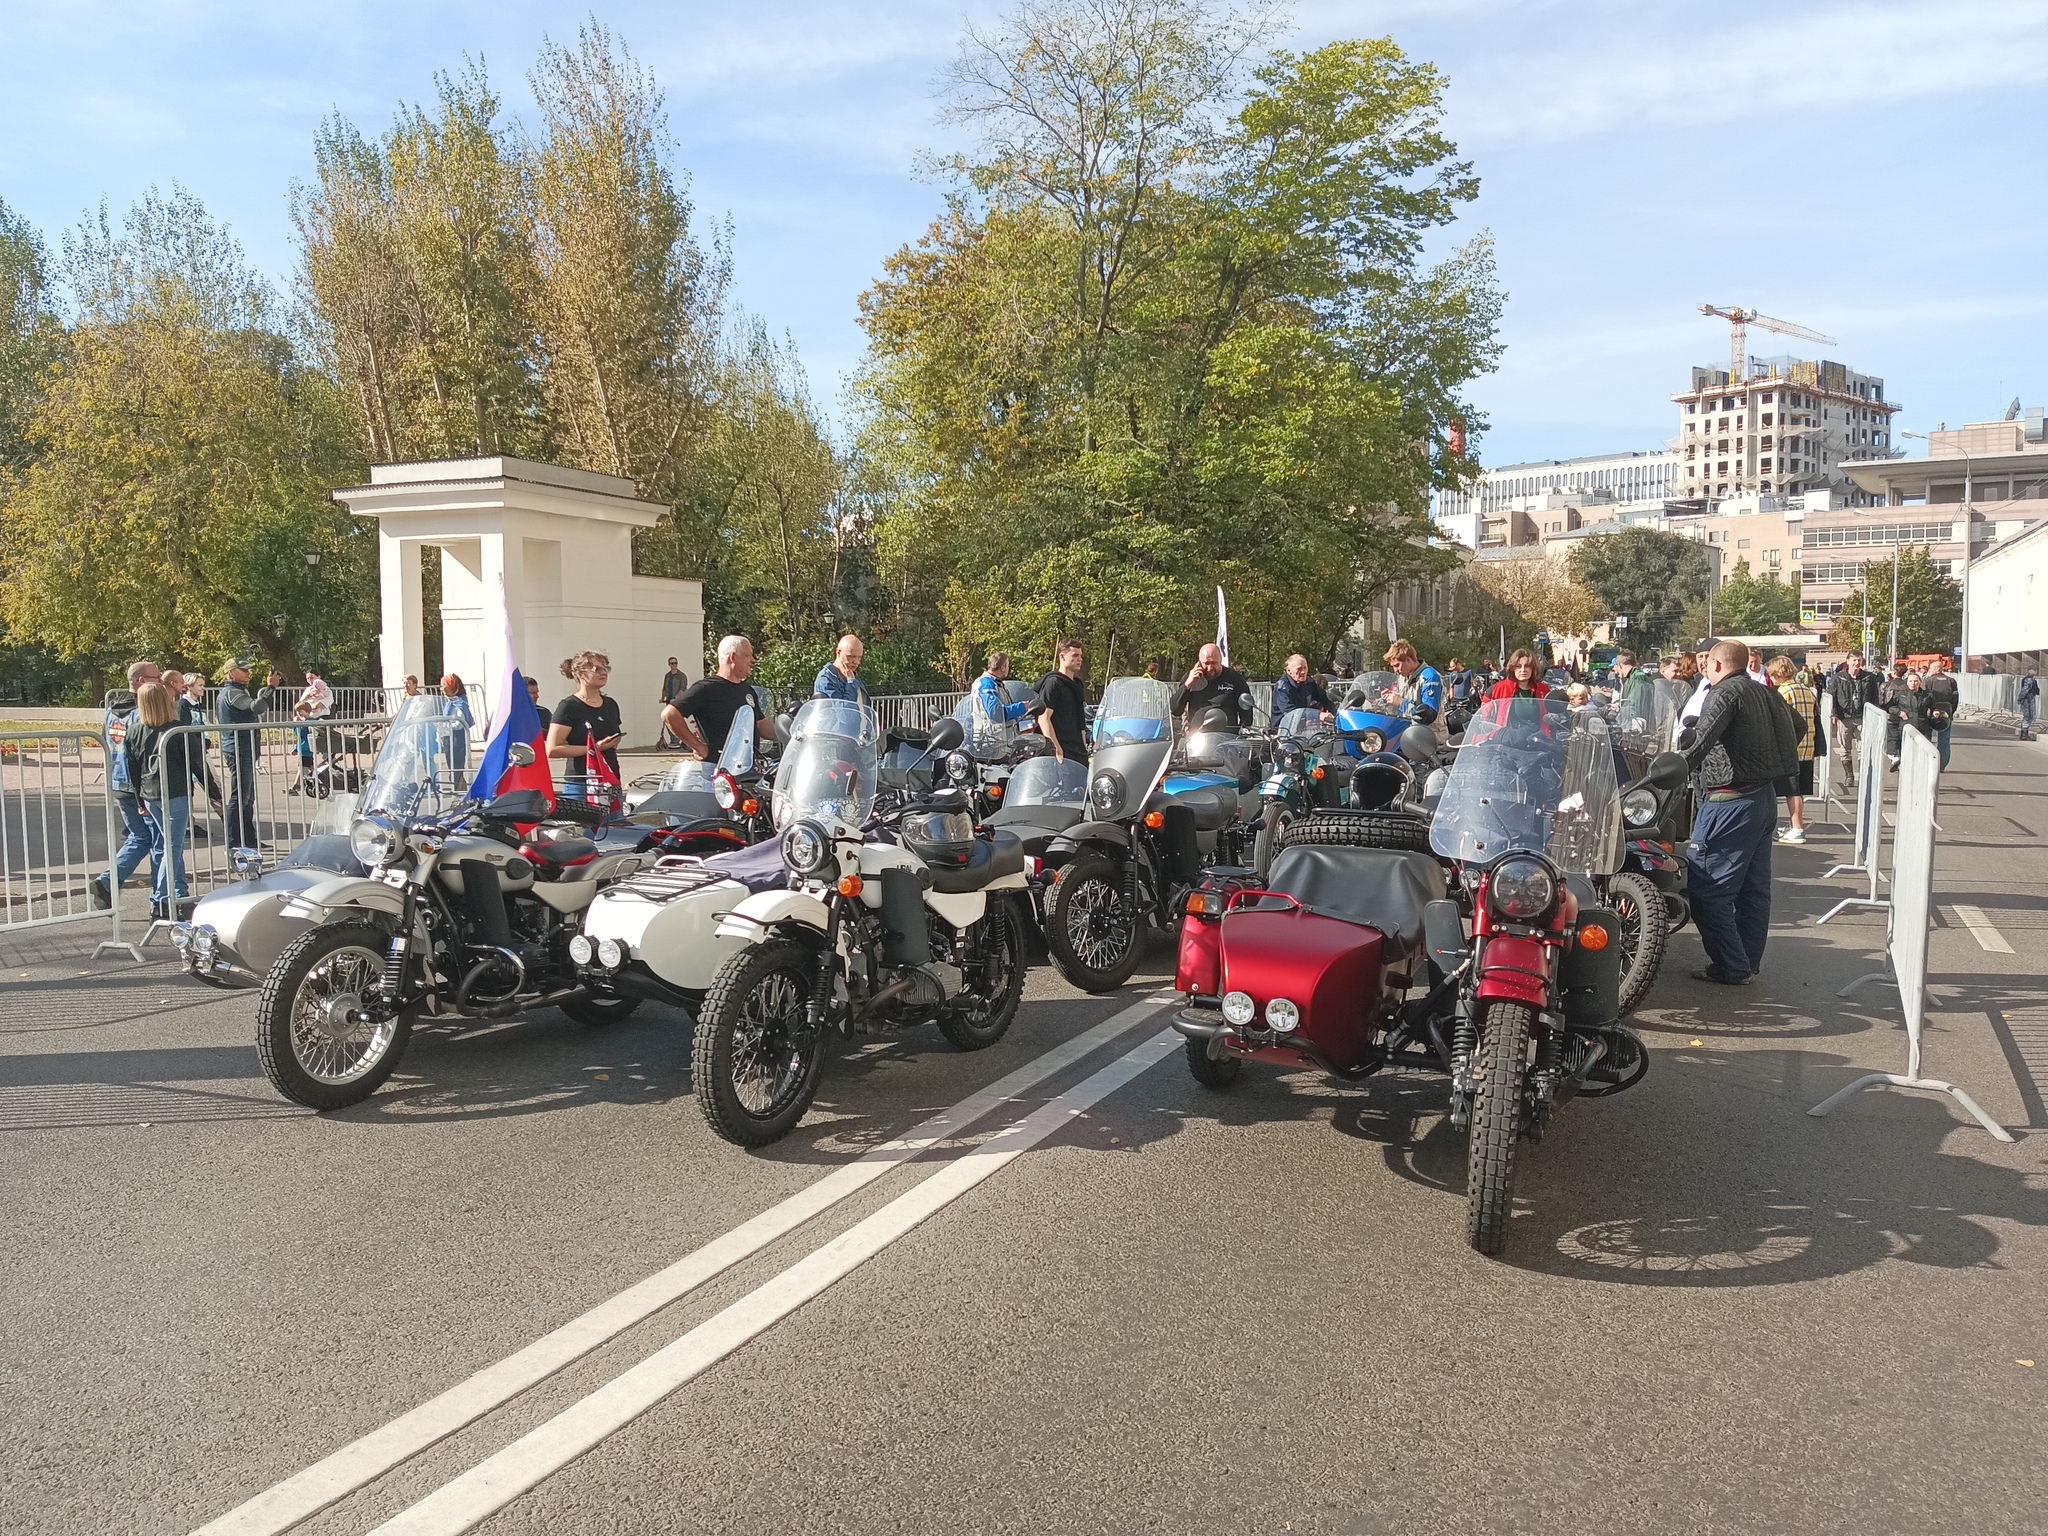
1739,320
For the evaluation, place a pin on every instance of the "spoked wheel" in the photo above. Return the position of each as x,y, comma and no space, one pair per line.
1496,1125
317,1046
1093,927
755,1060
1645,922
981,1016
1272,830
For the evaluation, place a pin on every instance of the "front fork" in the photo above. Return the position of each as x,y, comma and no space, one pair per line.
817,1010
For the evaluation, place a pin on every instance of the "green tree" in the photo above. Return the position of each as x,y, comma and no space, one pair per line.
1745,604
1174,330
31,335
1930,607
1647,575
183,455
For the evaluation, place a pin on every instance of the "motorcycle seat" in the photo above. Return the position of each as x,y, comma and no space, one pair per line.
1214,806
1378,887
991,859
1028,819
561,853
690,804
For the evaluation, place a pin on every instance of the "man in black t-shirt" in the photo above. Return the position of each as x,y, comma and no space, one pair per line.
1211,685
1062,707
701,715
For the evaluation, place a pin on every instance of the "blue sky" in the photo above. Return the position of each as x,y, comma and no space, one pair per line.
1870,170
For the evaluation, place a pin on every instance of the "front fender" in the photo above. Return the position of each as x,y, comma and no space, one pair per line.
1114,833
344,892
1515,970
766,910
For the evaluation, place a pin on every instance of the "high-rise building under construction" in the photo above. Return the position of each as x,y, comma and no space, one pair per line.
1787,429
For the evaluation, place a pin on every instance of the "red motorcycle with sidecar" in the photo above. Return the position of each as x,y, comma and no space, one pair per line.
1468,942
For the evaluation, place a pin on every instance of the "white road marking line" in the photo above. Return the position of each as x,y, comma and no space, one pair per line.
533,1458
1980,926
366,1459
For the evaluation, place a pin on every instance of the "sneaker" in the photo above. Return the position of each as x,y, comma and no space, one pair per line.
100,899
1792,835
1722,981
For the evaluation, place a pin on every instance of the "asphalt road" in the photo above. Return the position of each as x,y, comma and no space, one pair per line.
1154,1307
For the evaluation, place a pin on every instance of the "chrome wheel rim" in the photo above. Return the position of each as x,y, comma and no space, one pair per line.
1098,925
767,1063
331,1040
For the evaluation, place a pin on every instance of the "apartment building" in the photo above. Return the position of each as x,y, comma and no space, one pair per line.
1507,507
1792,427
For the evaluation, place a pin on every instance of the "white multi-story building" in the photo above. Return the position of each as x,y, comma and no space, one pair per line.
1504,506
1789,428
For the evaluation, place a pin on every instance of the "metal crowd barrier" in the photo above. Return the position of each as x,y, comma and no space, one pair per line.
60,827
914,711
348,703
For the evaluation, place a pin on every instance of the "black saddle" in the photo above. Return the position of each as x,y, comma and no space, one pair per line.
1378,887
1214,807
991,859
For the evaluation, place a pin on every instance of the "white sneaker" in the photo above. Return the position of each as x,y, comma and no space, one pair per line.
1792,835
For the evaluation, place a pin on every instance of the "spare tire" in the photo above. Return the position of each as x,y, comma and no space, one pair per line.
1358,829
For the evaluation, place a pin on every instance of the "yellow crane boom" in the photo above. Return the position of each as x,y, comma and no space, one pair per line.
1739,321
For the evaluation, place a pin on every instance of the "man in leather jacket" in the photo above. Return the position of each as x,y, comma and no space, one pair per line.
1745,739
1851,689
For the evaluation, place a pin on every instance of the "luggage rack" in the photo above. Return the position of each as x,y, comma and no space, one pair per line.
673,875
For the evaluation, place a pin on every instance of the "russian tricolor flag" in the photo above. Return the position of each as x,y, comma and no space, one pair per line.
513,718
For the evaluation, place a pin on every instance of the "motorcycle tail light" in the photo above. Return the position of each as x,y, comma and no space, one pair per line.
1238,1009
1155,820
1198,903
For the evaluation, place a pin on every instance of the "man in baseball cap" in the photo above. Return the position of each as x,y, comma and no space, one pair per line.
238,714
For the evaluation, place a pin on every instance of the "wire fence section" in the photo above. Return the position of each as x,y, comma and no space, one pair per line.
59,827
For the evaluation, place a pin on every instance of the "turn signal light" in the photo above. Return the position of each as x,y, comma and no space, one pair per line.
750,807
1593,938
850,886
995,791
1155,820
1319,773
1198,903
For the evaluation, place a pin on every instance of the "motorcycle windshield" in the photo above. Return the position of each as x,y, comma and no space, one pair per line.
989,735
1644,717
738,757
1373,693
830,771
1534,776
1301,729
1134,709
417,775
1048,781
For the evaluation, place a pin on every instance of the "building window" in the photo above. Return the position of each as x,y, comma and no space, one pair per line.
1742,543
1775,558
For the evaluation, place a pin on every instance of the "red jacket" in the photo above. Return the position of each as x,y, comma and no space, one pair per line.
1505,689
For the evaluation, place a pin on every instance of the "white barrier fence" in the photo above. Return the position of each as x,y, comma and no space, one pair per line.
1869,833
60,827
1911,919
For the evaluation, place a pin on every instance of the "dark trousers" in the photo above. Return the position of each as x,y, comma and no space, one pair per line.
240,815
1729,880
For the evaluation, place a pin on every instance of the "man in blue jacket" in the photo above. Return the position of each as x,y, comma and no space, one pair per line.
993,707
1297,690
836,679
142,832
1422,688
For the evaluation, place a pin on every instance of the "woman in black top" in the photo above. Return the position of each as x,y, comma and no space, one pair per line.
162,781
585,716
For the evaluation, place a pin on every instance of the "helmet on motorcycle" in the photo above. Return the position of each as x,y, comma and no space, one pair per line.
1380,782
1418,745
940,837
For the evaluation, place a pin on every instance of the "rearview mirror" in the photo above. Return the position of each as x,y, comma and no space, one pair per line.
520,755
1667,770
946,735
1247,703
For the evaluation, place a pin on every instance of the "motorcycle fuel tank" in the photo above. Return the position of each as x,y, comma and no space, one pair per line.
514,872
1328,968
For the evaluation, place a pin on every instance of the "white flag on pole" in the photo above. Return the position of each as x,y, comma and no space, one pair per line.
1222,627
1393,630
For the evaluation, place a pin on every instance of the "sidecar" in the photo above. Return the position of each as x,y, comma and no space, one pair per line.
654,935
1312,965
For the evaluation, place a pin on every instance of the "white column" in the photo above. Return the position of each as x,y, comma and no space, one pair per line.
403,643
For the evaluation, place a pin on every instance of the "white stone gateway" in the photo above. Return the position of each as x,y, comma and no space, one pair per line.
561,542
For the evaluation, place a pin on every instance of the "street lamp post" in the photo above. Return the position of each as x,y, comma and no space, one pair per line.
1969,549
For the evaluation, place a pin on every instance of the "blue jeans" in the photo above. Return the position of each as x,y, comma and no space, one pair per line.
167,867
141,842
1729,880
1941,741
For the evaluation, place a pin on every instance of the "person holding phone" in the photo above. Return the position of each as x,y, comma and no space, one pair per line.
585,718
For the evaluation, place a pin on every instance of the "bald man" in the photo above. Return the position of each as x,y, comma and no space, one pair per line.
836,679
1211,685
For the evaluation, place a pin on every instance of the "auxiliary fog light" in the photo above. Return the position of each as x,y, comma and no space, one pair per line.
204,940
611,953
181,937
582,948
1238,1009
1282,1016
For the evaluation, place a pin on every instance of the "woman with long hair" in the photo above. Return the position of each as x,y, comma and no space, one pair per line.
586,718
1805,703
455,703
1522,680
162,781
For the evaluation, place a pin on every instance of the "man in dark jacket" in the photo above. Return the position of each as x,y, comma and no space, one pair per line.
1745,739
1211,684
1298,690
239,714
1851,689
1946,696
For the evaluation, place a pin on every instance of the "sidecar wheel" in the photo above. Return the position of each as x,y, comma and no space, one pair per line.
1272,830
596,1011
1211,1071
1095,931
754,1061
1645,926
1496,1125
313,1049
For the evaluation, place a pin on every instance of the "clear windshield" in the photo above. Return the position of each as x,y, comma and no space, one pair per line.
738,757
1644,712
831,767
417,775
1048,781
1134,709
1534,776
1377,693
1301,729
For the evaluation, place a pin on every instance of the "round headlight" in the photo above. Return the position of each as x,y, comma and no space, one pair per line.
1372,741
1106,792
1282,1016
806,848
375,840
611,954
1521,890
1639,807
1238,1008
725,791
204,940
181,936
959,767
581,949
